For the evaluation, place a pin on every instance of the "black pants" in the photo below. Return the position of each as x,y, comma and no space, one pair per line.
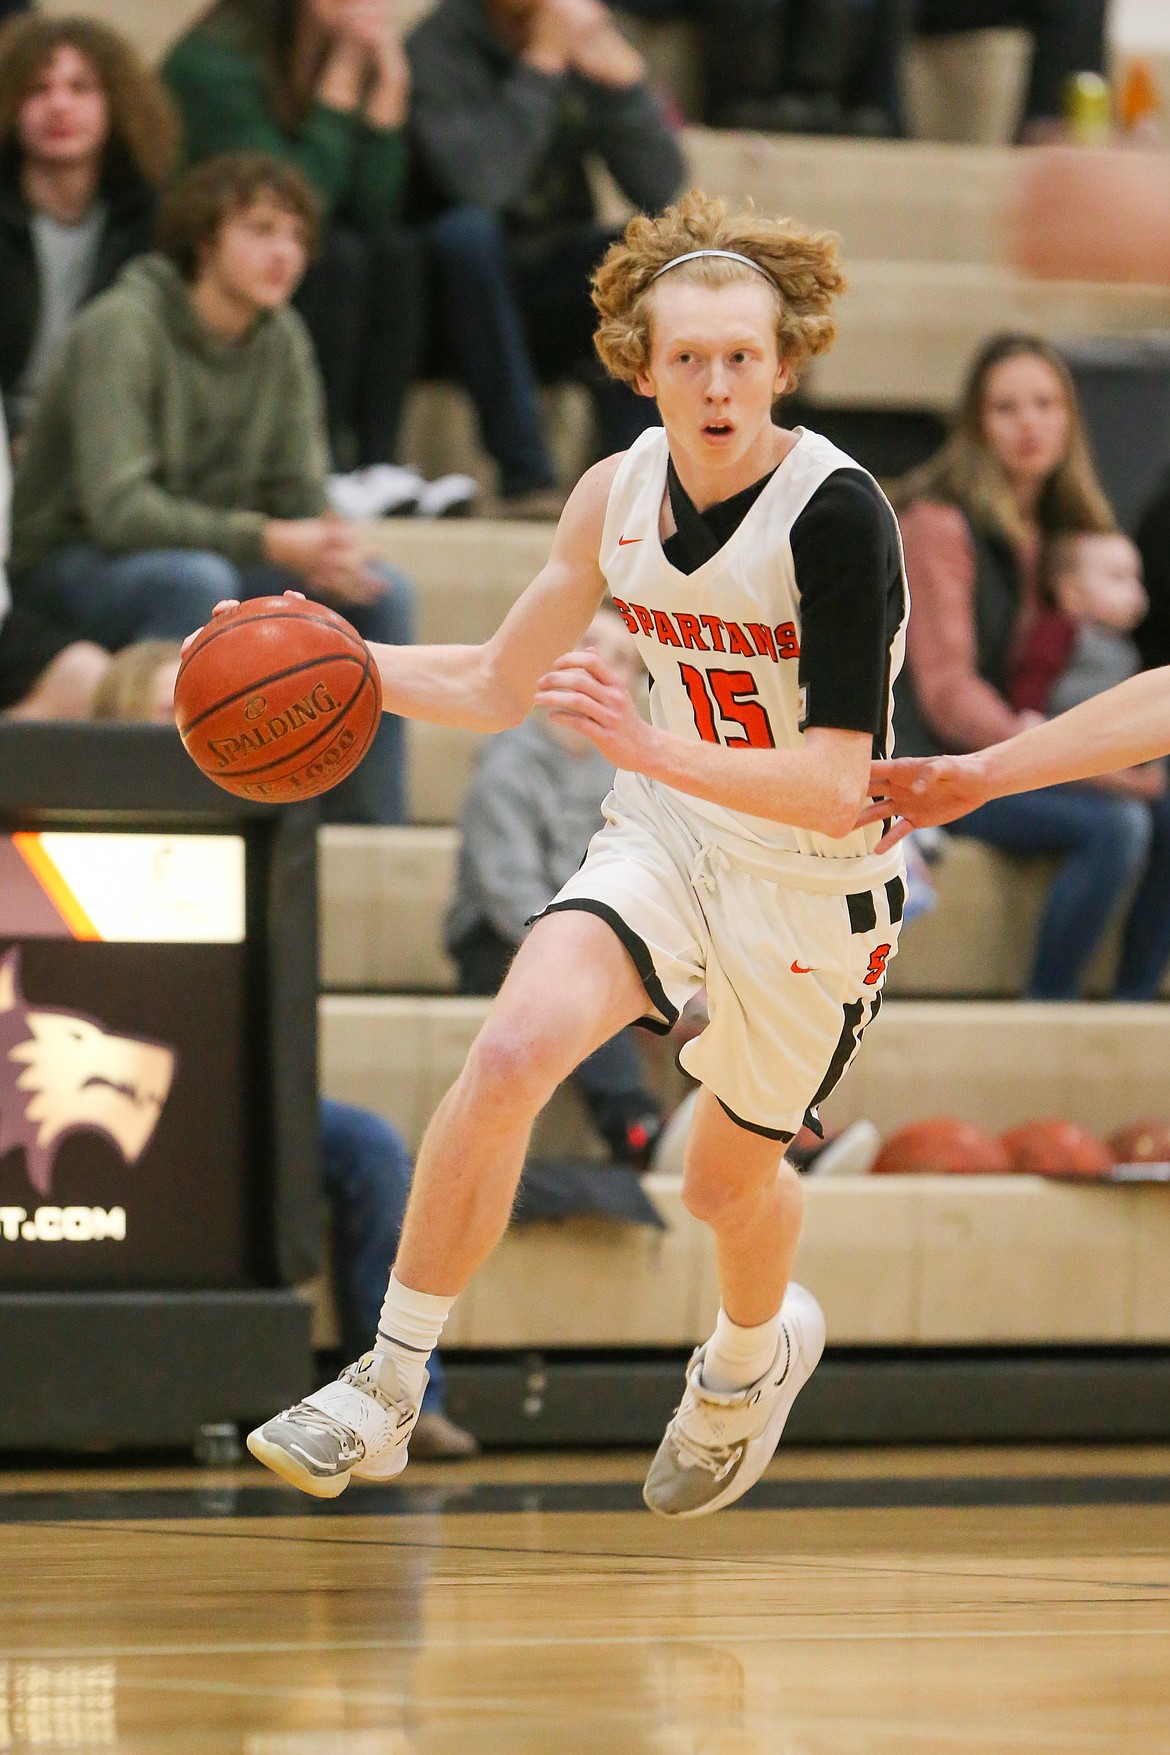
1069,37
512,314
610,1081
754,50
364,302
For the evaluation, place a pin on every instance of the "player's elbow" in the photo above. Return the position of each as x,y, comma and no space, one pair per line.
840,807
502,705
837,824
506,712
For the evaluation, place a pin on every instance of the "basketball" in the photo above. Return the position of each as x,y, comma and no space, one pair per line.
941,1146
277,700
1057,1148
1142,1142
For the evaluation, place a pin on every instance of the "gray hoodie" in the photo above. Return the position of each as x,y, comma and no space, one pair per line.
530,813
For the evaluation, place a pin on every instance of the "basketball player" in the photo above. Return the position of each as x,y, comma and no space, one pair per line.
1120,728
759,571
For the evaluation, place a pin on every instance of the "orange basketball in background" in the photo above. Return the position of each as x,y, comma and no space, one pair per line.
941,1146
1143,1142
1057,1148
277,700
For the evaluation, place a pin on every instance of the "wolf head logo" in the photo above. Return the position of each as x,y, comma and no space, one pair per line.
61,1071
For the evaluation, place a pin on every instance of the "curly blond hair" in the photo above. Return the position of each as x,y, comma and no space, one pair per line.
801,265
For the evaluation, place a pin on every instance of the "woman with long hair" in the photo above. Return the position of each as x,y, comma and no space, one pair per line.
87,137
978,521
324,84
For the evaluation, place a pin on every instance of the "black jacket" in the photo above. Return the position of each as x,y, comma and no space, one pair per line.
128,232
1153,539
998,595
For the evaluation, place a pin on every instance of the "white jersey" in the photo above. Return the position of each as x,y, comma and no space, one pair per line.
723,645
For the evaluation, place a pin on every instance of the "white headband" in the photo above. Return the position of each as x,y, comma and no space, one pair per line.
696,255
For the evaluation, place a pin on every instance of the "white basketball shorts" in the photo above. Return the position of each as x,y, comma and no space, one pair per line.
793,975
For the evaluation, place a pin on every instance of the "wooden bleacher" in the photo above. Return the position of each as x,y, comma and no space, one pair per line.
898,1262
385,894
923,229
895,1261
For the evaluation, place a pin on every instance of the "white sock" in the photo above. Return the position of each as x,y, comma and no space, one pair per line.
736,1357
408,1332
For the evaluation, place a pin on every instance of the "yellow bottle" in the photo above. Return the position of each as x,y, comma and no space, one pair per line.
1087,109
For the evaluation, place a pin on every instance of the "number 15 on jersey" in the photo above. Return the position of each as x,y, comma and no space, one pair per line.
726,699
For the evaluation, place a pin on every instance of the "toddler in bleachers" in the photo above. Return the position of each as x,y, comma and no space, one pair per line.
1080,641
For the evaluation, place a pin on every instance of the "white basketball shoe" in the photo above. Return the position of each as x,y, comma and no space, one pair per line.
354,1426
717,1446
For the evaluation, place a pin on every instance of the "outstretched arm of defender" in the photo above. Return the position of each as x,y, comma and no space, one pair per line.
819,786
1121,728
492,686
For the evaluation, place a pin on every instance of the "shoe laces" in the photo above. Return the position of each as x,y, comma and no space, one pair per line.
695,1452
319,1421
360,1376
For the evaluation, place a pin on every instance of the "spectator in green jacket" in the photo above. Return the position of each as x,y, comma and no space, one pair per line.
323,84
177,455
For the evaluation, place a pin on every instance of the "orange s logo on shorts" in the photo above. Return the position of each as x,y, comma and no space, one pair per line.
878,960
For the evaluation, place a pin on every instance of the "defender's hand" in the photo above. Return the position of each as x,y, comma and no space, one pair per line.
923,791
586,694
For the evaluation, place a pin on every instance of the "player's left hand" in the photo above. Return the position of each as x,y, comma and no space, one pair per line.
586,694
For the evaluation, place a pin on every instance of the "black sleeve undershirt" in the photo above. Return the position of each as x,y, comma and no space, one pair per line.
849,576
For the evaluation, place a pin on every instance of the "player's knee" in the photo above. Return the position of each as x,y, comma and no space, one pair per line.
510,1067
725,1197
713,1197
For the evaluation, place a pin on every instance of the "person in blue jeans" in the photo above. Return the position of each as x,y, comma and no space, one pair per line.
366,1171
1108,848
177,455
977,523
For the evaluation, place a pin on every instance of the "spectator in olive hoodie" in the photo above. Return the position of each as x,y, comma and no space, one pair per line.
323,84
87,137
178,454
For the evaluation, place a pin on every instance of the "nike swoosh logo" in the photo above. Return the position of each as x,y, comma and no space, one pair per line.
799,969
623,540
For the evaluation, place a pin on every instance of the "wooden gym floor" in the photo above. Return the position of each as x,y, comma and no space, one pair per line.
865,1603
